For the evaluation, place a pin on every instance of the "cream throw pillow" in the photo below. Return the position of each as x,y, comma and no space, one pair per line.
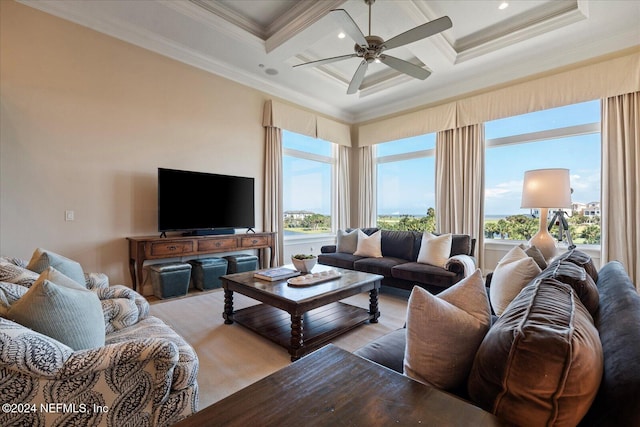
369,246
445,331
513,272
435,250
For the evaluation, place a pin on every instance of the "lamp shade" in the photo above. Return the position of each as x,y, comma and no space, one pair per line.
546,188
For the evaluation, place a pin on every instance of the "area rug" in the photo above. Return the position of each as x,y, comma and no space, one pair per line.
232,357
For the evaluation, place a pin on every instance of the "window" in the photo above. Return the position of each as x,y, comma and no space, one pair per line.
307,170
406,183
565,137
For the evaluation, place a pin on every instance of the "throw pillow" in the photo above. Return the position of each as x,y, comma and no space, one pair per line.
369,246
579,258
43,258
435,250
445,331
535,253
60,308
541,363
347,242
576,277
513,272
13,273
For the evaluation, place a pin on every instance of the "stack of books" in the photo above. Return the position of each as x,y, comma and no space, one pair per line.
274,274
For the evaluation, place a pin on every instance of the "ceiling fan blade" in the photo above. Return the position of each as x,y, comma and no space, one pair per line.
358,77
405,67
325,61
420,32
349,26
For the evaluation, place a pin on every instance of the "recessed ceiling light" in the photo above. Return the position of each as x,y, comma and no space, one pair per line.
503,5
341,35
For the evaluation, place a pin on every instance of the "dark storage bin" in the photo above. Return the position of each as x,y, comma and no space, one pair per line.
170,280
206,272
241,262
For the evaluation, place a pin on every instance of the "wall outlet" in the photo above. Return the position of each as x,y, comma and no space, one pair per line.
69,215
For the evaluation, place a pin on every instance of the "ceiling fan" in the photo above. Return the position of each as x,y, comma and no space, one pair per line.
370,48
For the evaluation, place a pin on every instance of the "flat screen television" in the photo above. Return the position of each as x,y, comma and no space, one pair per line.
201,203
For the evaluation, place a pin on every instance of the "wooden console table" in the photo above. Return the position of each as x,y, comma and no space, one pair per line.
146,248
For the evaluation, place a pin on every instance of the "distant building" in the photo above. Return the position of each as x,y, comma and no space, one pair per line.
297,215
592,209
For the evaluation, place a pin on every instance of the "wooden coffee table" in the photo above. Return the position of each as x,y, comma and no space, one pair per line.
301,319
332,387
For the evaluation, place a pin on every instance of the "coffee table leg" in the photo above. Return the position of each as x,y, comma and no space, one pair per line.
227,315
296,336
373,305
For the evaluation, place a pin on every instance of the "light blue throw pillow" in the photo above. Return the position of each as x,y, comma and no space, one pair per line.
42,258
60,308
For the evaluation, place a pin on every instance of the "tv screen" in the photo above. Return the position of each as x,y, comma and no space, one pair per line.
192,201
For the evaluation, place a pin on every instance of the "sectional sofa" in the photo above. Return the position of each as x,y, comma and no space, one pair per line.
564,351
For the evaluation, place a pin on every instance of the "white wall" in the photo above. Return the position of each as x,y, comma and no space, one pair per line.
87,119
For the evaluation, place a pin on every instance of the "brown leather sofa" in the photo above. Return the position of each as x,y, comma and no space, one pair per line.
399,264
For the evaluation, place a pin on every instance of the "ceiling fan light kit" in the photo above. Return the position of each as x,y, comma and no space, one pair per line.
370,48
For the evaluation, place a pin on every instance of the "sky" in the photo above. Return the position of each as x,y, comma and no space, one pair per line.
408,187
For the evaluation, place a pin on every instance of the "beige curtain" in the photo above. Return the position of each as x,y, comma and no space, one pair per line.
342,200
460,183
620,182
273,211
367,185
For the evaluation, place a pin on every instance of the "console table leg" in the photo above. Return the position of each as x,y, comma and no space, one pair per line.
296,336
227,315
373,305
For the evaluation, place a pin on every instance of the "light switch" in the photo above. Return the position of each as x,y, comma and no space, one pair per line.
69,215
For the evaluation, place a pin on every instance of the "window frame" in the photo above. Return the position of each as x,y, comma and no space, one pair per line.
332,161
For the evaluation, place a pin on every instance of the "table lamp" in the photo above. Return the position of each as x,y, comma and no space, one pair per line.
543,189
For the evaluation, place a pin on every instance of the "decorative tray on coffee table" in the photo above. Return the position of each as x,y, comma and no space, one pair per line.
314,278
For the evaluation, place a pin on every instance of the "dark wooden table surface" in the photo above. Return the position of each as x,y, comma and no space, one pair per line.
302,319
332,387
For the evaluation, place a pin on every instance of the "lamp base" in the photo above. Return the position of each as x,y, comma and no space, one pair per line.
542,239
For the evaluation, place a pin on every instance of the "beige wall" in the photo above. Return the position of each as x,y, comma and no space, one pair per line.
85,122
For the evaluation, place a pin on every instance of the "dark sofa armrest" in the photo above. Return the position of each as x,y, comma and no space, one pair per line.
328,249
463,265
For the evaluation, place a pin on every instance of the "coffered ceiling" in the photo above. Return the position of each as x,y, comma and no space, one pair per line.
257,43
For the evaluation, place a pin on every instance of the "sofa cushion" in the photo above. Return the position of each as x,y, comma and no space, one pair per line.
338,259
397,244
347,242
445,331
576,277
579,258
461,245
42,258
618,321
513,272
424,273
369,246
60,308
388,350
541,362
434,250
381,266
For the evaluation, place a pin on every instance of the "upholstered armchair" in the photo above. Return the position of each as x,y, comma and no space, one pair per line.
143,375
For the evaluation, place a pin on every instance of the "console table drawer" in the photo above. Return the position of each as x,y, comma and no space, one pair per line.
250,242
217,244
171,248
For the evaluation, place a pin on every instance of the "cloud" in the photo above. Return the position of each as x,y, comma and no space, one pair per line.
503,190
